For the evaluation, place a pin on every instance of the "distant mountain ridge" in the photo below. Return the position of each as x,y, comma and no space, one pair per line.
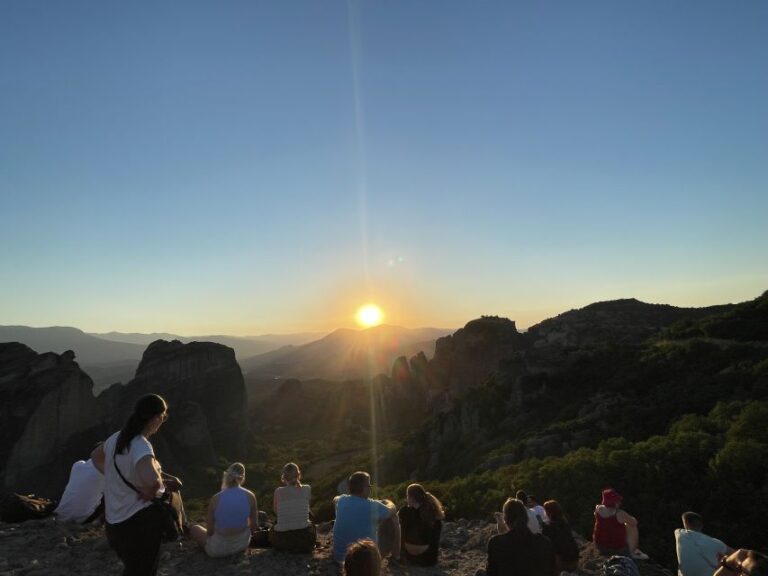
344,354
244,346
88,349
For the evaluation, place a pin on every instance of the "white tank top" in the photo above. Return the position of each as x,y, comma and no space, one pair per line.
292,507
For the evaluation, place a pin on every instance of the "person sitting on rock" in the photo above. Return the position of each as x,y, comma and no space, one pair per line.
362,559
532,503
232,514
743,563
517,550
533,521
697,553
615,531
83,498
420,525
560,534
359,517
293,532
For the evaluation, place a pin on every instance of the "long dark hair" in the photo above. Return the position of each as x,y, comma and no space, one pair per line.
430,508
146,408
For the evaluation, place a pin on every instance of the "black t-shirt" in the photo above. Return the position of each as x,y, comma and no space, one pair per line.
561,536
415,531
520,554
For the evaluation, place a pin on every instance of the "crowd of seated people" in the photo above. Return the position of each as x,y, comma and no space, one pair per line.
124,480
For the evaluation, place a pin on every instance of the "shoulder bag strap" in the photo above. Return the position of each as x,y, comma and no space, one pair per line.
131,486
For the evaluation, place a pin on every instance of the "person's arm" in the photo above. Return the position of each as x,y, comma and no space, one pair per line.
501,526
396,544
731,565
171,482
275,498
254,511
149,477
211,517
98,457
626,518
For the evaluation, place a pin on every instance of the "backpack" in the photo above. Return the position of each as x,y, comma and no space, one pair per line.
18,507
619,566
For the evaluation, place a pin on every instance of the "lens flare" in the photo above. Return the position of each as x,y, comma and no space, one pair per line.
369,315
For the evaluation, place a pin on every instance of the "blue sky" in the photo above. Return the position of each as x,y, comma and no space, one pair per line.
252,167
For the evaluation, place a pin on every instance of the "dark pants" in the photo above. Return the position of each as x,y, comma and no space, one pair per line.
137,542
295,541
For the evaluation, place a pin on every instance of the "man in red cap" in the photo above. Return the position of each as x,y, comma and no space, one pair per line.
615,531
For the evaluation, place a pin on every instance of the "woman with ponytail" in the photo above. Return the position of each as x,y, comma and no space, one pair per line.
232,514
421,521
132,479
517,550
294,532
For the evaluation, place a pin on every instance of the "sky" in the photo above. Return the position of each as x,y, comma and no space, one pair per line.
252,167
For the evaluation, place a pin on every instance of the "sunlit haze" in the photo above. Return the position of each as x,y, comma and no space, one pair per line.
248,168
369,315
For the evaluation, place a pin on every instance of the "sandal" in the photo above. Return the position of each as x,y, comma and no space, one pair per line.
639,554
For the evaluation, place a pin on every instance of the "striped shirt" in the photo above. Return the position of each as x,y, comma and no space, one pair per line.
292,505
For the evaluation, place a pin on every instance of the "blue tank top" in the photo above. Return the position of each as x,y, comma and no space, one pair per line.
232,509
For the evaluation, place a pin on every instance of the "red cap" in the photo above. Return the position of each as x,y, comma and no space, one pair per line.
611,498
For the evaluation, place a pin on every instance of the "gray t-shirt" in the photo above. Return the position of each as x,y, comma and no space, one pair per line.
697,553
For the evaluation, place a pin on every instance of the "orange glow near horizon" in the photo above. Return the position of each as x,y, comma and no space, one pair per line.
369,315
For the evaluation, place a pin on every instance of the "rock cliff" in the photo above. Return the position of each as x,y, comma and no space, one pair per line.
49,417
204,388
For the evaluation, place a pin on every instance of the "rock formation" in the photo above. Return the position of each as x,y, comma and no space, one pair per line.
49,417
203,385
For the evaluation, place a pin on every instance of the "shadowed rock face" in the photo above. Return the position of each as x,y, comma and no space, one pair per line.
467,357
49,418
204,388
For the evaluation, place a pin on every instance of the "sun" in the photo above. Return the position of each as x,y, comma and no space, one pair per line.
369,315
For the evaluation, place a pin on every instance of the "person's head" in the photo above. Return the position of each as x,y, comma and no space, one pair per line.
360,484
362,559
148,415
554,511
693,521
522,496
531,501
430,508
291,475
233,476
515,515
611,498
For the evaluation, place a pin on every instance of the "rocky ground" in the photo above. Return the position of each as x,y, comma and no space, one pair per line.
47,548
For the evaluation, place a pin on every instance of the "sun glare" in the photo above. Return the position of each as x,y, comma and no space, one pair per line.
369,315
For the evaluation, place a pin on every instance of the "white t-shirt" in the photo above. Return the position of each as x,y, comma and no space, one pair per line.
120,500
533,521
541,513
82,494
697,553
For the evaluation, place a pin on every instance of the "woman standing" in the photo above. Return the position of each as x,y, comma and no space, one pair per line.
421,521
232,514
294,532
133,524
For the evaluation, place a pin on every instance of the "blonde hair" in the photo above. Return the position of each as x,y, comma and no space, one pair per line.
233,476
291,474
